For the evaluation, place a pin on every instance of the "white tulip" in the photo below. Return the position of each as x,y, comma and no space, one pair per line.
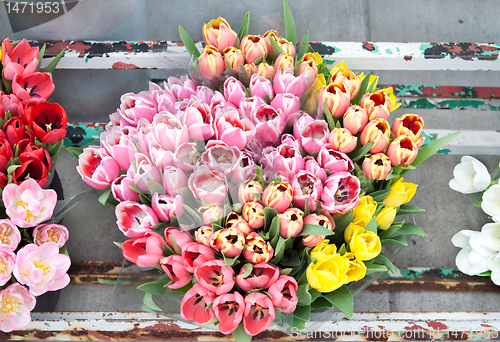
470,176
491,201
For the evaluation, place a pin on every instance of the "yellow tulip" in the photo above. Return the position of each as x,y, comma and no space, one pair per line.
321,81
394,104
323,250
373,80
351,228
328,273
385,217
365,209
356,270
401,193
365,245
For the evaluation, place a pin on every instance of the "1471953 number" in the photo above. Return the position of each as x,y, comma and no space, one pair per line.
32,8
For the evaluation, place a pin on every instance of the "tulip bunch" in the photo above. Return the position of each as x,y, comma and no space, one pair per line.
33,258
480,254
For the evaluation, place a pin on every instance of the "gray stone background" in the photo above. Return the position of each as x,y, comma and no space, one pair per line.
91,95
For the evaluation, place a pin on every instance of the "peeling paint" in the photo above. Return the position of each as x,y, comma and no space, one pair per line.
370,47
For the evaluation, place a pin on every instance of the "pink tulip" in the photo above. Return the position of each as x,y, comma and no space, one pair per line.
337,99
207,185
50,233
377,105
250,69
198,120
174,180
17,314
334,161
355,119
349,78
169,131
28,204
186,156
195,305
283,62
10,236
402,151
284,161
164,206
211,64
314,136
309,67
42,268
135,219
195,254
229,309
234,91
377,166
215,277
312,166
300,124
181,238
182,88
321,220
289,104
253,47
269,123
143,171
245,171
247,191
211,213
286,46
7,261
219,156
376,131
204,94
232,129
253,213
203,235
291,223
259,313
267,38
261,87
265,70
161,158
173,266
234,57
33,87
257,250
342,140
219,34
262,277
145,251
284,293
286,82
21,59
135,108
410,125
249,104
278,196
119,146
341,193
120,188
97,168
9,102
306,187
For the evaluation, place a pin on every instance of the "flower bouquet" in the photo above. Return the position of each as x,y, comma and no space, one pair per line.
480,254
33,258
260,185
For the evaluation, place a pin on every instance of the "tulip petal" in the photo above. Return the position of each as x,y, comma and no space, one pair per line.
461,239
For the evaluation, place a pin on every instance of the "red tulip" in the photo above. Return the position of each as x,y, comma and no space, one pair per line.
47,121
35,87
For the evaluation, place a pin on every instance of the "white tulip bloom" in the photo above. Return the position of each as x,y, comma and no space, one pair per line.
470,176
491,201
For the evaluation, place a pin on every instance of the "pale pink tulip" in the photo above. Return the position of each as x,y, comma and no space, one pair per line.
306,187
10,236
208,185
174,180
173,266
17,302
286,82
97,168
52,232
341,193
120,188
7,262
135,219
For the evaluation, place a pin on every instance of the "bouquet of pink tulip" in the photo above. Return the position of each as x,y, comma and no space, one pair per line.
233,182
33,258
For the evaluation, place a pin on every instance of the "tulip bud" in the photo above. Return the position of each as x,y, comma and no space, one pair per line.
309,66
377,105
342,140
234,57
257,250
356,270
278,196
265,70
286,46
291,223
203,235
349,78
320,220
306,187
253,212
253,47
250,69
234,220
229,241
211,213
261,87
336,97
377,131
410,125
355,119
401,193
219,34
267,39
377,166
402,151
385,217
283,62
247,191
211,63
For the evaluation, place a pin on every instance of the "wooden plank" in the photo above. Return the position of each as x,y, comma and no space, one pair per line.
357,55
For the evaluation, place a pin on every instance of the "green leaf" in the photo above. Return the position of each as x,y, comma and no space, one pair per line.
399,240
371,88
119,244
321,302
372,225
244,27
277,50
274,231
329,117
11,169
52,65
230,262
379,195
383,234
341,224
248,267
372,268
362,89
381,259
63,250
484,274
75,151
303,47
279,251
303,294
269,215
188,43
361,152
197,219
302,312
291,258
155,187
409,209
411,229
290,32
134,187
241,335
149,303
342,299
427,151
103,199
40,57
156,287
315,229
